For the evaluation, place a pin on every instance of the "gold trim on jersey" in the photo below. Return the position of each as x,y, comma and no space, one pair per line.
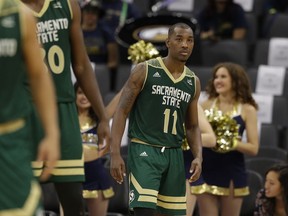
62,168
43,9
61,163
220,191
68,172
190,73
11,126
146,75
136,140
70,8
29,206
180,78
62,171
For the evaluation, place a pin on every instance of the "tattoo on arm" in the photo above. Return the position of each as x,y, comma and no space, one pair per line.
127,99
132,87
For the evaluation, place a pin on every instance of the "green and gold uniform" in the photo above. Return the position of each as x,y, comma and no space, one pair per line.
19,193
53,27
155,162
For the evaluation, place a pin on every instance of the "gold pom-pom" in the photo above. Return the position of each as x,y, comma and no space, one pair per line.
225,129
185,145
142,51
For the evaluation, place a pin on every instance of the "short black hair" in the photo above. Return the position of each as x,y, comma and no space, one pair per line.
180,25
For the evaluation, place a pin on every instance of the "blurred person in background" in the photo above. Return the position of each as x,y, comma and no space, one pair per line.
99,39
97,188
222,19
117,11
59,31
275,6
21,60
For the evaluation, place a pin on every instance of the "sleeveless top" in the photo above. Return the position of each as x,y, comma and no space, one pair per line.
219,169
89,140
53,27
236,115
158,114
89,136
13,100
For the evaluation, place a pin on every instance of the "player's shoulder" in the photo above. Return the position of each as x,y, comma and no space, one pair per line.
154,62
189,72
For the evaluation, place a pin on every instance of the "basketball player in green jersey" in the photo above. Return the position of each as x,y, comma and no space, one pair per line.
59,31
161,96
20,57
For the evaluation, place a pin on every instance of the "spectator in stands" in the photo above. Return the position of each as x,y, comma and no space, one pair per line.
271,9
273,198
276,6
99,40
222,19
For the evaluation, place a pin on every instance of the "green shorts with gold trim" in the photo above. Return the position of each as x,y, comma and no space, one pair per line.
19,193
71,166
157,178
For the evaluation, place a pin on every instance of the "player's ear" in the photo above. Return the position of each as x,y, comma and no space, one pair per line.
167,43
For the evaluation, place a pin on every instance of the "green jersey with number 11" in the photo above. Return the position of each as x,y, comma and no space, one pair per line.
159,112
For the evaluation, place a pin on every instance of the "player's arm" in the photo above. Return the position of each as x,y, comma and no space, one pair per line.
193,134
207,134
84,72
130,92
111,107
42,90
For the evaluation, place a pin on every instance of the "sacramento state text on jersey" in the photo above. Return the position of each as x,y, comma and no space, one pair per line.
47,31
8,47
171,96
